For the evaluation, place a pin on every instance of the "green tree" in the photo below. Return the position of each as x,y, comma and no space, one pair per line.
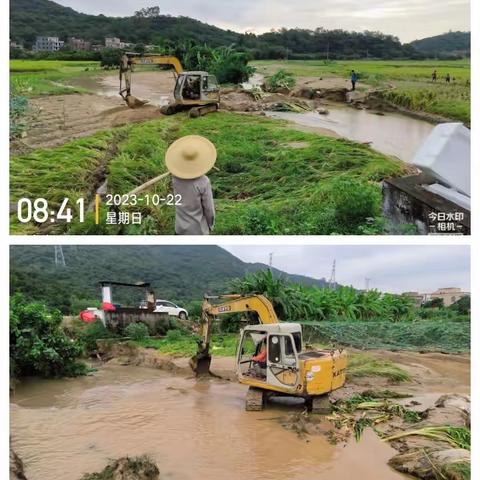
462,305
38,345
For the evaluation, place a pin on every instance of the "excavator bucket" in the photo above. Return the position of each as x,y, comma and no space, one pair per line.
134,102
200,363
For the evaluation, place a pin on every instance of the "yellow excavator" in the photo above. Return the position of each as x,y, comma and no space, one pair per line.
270,357
198,92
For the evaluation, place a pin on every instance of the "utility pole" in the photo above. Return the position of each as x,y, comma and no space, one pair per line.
328,50
59,257
333,282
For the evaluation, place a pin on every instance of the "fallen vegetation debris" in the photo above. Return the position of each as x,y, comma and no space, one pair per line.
127,468
457,437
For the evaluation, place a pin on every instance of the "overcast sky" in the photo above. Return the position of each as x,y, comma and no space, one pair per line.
406,19
393,269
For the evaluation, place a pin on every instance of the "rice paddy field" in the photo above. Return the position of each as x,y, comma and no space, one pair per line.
32,78
269,178
410,79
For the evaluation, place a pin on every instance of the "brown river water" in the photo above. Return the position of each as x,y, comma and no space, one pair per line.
65,428
391,134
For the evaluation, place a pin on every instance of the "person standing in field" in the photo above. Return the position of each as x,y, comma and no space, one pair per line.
188,160
353,79
447,78
434,76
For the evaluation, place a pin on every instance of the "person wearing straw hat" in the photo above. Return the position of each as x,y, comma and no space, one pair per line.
188,159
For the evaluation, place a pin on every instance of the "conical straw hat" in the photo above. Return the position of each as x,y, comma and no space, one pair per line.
190,157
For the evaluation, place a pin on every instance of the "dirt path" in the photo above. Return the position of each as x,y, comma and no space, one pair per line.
55,120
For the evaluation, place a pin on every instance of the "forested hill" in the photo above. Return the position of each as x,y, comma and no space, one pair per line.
29,18
451,42
178,273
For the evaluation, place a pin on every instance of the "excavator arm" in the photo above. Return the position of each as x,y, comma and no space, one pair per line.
258,304
126,67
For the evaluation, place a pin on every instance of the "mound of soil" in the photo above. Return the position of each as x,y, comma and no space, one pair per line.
126,468
127,353
428,465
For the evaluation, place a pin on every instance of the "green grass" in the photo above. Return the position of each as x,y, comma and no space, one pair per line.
425,335
261,185
186,345
411,81
225,345
364,365
33,78
369,70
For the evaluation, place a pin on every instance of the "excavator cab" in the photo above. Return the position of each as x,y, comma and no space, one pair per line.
282,342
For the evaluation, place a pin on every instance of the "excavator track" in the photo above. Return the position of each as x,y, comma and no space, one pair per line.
255,399
196,112
320,405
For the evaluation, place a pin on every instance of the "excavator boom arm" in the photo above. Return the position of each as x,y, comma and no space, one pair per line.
129,59
200,363
138,59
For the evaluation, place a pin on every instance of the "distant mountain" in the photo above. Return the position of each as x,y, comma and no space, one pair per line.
178,273
447,43
29,18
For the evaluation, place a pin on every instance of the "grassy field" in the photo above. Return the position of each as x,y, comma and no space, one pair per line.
424,335
411,79
32,78
370,71
263,182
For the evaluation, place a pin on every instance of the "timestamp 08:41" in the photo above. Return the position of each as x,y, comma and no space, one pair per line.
39,210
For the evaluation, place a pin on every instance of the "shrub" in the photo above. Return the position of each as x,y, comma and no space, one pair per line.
38,345
175,335
18,108
137,331
354,202
93,332
462,305
280,80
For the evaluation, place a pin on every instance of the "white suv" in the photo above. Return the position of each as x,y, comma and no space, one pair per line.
163,306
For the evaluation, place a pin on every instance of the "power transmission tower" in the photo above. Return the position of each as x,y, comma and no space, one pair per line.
333,282
367,284
59,257
270,260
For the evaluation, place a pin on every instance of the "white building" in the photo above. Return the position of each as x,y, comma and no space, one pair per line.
48,44
114,42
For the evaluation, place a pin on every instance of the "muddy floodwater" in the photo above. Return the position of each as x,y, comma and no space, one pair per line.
65,428
391,134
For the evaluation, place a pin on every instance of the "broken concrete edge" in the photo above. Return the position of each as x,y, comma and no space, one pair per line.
405,201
